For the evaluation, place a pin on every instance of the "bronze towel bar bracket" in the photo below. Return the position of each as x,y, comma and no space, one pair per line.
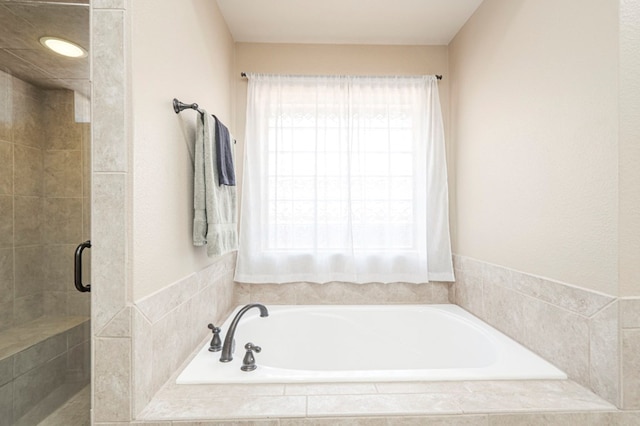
181,106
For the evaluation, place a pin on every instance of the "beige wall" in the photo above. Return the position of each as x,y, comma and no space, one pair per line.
180,49
629,155
534,96
340,59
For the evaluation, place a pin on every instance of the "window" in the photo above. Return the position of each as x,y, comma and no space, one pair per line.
336,179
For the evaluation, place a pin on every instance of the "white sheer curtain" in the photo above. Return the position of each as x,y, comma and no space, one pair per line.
344,180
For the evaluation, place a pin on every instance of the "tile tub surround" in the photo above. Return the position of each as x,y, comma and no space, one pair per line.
378,403
168,325
340,293
630,330
42,363
573,328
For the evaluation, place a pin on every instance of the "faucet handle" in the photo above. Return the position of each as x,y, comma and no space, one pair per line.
251,347
216,343
249,361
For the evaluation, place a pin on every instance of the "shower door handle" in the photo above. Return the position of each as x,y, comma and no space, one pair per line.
77,266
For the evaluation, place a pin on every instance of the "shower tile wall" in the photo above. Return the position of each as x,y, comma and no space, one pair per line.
66,205
42,153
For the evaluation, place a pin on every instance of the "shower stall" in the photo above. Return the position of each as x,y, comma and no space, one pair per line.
45,164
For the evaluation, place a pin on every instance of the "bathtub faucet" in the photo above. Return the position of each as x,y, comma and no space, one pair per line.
227,347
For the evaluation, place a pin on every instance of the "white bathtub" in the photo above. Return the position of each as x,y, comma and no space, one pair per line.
368,343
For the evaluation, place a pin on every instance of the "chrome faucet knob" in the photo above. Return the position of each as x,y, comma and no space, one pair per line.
216,343
249,361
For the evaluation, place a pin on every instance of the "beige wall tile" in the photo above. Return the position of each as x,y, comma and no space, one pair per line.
109,4
108,257
109,90
63,173
58,266
454,420
505,310
572,298
383,404
6,275
343,421
6,159
603,353
275,294
27,308
6,370
79,363
28,170
469,290
39,354
223,293
6,106
61,130
33,386
54,303
28,271
630,313
549,318
626,418
143,386
62,221
173,341
119,326
330,389
86,218
6,402
559,336
440,292
86,159
158,304
29,215
6,314
227,407
6,221
242,294
27,114
111,379
227,423
78,304
550,419
631,369
79,334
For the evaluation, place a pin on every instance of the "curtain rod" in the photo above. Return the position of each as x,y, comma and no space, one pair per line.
244,74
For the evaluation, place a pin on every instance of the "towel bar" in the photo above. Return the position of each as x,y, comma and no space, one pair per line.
181,106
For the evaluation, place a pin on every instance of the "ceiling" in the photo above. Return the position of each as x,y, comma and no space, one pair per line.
23,22
421,22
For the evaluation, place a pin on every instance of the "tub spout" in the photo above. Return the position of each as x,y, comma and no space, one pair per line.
227,347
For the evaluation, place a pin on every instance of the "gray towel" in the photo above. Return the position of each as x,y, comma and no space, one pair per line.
226,173
215,208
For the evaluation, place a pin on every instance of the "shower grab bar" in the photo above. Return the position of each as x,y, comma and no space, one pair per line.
77,266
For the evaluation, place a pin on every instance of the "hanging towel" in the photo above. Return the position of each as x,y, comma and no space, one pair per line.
215,208
226,174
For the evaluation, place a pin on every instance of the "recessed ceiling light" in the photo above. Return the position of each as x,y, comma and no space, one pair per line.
63,47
